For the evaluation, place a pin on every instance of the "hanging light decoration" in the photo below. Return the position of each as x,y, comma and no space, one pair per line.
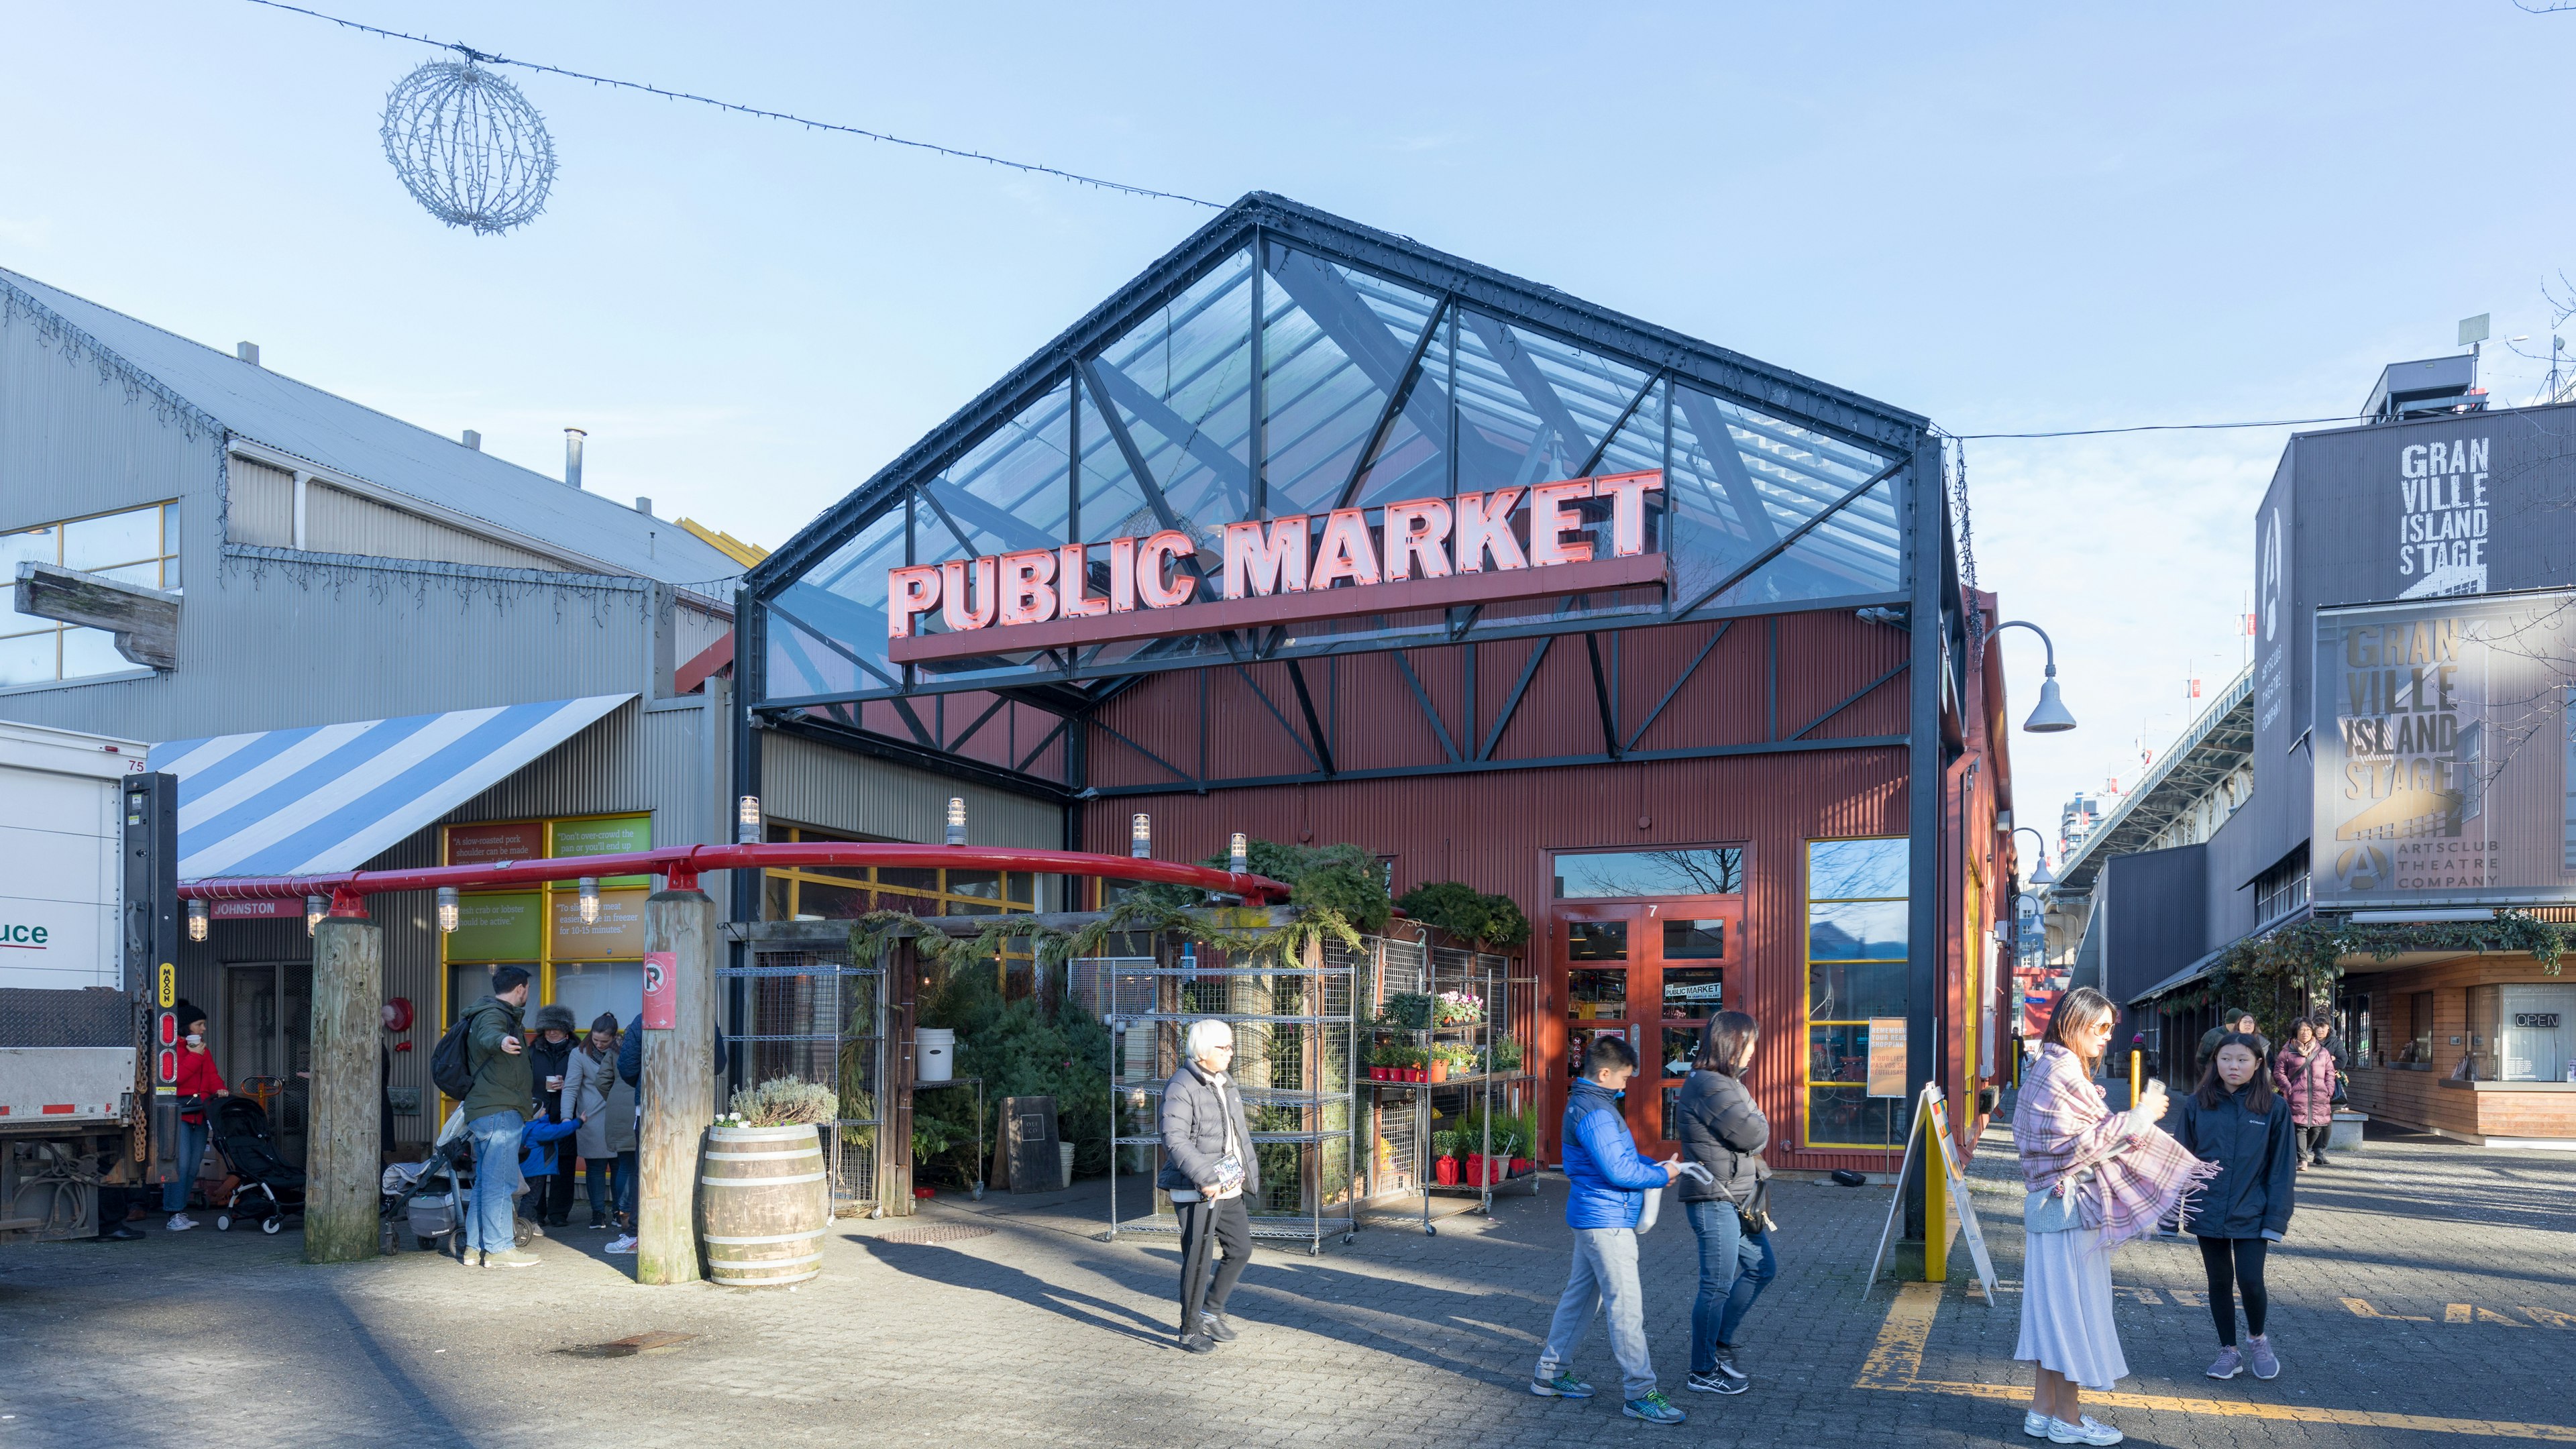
747,821
448,908
1140,836
315,907
589,899
468,147
956,820
196,920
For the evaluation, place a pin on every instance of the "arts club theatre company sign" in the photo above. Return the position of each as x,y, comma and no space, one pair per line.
1423,553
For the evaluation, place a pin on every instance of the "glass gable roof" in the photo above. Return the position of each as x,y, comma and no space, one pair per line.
1358,389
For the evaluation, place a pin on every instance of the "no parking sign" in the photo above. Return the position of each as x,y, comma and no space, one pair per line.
661,998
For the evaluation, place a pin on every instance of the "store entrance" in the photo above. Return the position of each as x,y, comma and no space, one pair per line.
1653,972
268,1043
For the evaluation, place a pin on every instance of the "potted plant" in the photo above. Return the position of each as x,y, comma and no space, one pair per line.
1507,1055
1406,1011
1451,1058
1444,1165
1457,1008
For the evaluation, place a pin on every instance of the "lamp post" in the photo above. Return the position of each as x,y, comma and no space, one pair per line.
2049,716
2040,875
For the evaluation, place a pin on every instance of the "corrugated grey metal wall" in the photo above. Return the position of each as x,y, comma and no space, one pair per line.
807,783
263,505
341,522
78,438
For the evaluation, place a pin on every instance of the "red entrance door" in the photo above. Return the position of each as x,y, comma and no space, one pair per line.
1653,972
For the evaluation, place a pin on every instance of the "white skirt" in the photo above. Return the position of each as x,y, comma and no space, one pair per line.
2066,1308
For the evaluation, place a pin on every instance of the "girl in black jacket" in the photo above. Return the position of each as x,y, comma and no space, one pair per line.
2237,1121
1723,1131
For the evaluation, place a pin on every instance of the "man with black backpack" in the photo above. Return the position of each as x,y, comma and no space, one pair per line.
496,1102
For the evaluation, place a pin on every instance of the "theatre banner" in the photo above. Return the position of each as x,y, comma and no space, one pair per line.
2442,751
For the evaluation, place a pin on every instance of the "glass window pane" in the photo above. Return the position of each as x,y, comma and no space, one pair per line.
1578,1040
1849,869
470,983
907,878
1321,404
1596,994
593,987
1856,931
148,574
91,651
1693,992
1681,1043
1694,940
1838,1053
1530,408
1650,873
1849,1115
980,883
1181,385
43,545
1597,941
117,538
816,901
1855,991
27,658
1009,491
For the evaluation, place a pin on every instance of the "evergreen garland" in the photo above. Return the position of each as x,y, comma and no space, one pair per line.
2300,960
1240,933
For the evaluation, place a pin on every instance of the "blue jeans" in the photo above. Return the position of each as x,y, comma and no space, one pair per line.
628,1174
489,1227
1733,1271
192,1155
1604,1276
605,1179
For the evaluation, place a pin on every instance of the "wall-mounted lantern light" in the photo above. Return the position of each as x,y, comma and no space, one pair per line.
1239,854
315,908
589,899
956,820
1140,836
747,821
196,920
448,908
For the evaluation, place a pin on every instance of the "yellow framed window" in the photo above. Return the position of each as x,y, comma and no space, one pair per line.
1857,993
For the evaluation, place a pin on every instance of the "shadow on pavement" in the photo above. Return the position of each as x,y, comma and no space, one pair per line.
961,1270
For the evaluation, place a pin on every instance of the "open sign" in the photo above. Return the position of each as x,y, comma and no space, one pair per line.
2536,1020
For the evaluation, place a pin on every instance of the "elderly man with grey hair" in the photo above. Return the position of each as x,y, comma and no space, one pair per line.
1209,1168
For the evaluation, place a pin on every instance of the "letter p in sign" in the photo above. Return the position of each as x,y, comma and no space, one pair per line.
661,998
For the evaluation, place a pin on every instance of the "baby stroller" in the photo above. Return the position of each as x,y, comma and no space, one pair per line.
267,1189
423,1196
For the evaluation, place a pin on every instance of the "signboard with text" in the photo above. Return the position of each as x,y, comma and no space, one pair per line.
2443,751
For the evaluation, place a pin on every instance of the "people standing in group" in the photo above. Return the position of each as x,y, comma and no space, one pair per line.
2233,1019
495,1114
1209,1168
2095,1179
606,1107
2237,1121
538,1157
2305,1073
199,1084
1724,1131
550,1054
1607,1185
630,1070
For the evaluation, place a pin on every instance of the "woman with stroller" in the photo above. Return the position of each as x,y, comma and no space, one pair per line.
2236,1121
2095,1179
1722,1130
593,1093
200,1083
2305,1073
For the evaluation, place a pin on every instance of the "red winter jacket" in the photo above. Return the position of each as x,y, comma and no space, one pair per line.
198,1078
2308,1083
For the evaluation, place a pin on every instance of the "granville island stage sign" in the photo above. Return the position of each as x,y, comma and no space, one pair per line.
1425,553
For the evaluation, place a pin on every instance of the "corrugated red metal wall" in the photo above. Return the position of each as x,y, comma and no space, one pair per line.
1496,830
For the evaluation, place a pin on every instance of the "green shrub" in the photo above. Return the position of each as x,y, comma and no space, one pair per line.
1467,913
1020,1049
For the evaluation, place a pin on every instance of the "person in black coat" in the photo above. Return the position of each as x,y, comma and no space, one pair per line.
2239,1122
1722,1130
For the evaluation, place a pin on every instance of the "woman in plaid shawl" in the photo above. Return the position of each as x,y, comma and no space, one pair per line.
2096,1179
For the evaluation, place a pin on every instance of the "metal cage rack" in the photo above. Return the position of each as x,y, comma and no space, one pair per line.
813,1015
1402,1114
1296,1037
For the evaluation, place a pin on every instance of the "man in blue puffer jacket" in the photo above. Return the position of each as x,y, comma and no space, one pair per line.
1609,1186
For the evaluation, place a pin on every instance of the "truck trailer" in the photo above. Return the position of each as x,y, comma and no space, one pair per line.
88,935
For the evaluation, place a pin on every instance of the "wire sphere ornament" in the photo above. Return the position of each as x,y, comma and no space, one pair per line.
468,147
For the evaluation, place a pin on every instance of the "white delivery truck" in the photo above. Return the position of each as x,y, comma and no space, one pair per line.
87,919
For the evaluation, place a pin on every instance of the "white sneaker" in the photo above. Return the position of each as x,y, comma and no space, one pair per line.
2091,1431
179,1223
2035,1424
625,1244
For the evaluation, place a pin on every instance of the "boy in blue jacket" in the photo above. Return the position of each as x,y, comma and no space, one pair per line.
537,1162
1609,1185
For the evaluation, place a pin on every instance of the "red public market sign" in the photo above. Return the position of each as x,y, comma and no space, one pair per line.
1427,553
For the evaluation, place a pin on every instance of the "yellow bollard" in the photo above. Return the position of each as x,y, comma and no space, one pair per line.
2134,1058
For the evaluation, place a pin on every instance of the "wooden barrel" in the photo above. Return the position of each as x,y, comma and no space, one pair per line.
763,1203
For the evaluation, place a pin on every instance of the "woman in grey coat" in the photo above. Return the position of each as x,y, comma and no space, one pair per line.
1209,1168
1722,1130
593,1093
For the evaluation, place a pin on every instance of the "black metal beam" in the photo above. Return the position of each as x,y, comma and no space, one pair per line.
1322,753
1746,569
1657,712
1177,772
981,720
1927,527
1601,697
1704,420
1284,726
1854,698
938,762
1044,740
1439,727
1486,767
1396,398
1511,705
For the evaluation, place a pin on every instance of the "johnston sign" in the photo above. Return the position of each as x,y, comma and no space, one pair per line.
1426,553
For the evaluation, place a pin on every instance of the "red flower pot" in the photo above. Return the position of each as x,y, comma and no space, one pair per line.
1475,1169
1521,1165
1445,1172
1377,1074
1413,1074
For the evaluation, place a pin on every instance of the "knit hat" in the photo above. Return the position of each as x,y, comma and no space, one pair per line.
552,1017
188,1014
607,1022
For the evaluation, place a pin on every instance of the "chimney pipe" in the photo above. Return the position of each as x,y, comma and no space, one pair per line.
572,455
474,440
644,506
247,352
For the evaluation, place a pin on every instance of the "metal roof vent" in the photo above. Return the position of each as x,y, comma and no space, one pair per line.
644,506
247,352
2425,389
572,455
474,440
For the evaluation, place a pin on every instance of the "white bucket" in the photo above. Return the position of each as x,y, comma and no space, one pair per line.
1068,1162
934,1053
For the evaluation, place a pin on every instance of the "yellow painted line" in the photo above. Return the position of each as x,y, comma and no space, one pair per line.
2551,1317
2361,1309
2455,1313
1896,1362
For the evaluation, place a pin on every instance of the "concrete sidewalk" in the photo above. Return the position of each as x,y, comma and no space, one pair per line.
2425,1297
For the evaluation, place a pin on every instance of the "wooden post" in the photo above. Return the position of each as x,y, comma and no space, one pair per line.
678,1087
344,1164
894,1140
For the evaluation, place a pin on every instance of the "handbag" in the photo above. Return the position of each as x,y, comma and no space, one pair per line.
1752,1216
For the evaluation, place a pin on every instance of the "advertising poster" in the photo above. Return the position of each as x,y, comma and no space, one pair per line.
2442,750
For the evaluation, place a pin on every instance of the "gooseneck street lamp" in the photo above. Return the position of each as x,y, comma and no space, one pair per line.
2050,717
2042,875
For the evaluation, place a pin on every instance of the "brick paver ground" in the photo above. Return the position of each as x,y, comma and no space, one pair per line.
2422,1279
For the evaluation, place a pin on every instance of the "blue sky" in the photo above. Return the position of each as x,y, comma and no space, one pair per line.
2005,217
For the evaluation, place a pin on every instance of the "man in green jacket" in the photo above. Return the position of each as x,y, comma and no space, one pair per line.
496,1112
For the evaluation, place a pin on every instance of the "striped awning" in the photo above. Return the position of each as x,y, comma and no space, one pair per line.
332,797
